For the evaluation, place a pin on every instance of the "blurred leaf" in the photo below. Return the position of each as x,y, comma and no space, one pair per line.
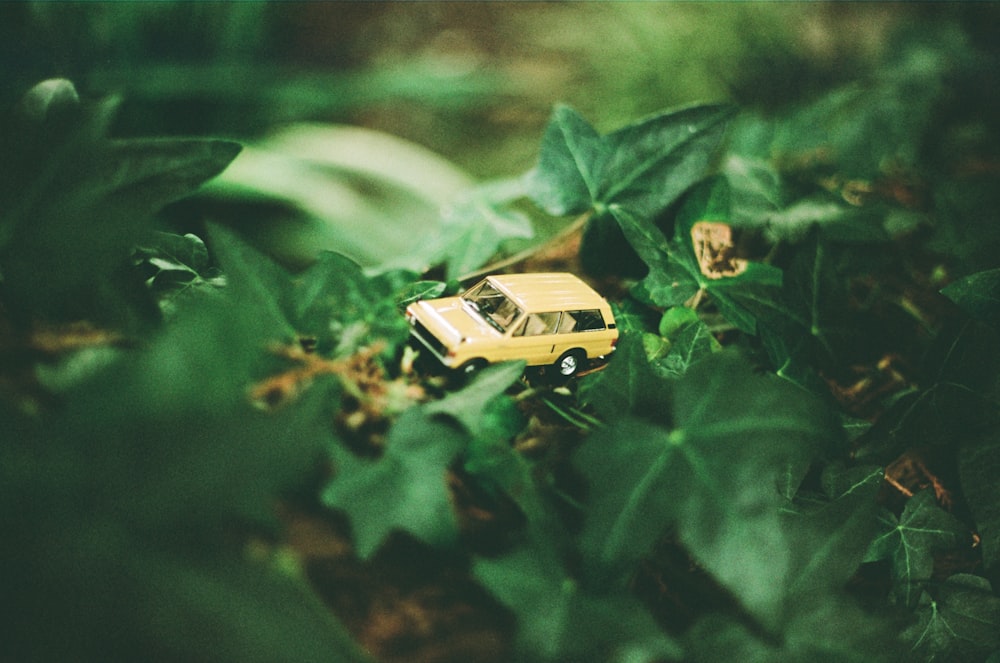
909,542
978,465
478,223
833,532
368,195
405,489
714,475
79,203
978,294
468,405
559,620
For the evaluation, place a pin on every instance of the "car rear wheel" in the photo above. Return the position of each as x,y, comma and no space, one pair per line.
570,363
471,367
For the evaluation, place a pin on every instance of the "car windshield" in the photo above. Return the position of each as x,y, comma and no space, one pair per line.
493,305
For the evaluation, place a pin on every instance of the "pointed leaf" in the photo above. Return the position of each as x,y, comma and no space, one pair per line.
958,620
405,489
566,179
909,542
559,620
978,294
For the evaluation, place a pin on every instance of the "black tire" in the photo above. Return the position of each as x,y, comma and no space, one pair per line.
471,367
570,363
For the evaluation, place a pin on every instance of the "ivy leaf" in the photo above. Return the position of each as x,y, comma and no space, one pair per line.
958,620
568,175
714,474
478,223
468,405
675,271
909,543
832,532
818,628
689,341
80,203
651,162
405,489
978,465
629,385
978,295
560,620
642,167
174,265
333,301
958,398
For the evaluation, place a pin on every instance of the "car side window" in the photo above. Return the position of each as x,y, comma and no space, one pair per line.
539,324
588,320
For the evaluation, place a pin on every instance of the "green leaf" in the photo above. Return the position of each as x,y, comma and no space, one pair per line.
819,628
629,385
674,271
653,161
79,203
332,302
176,265
909,543
689,341
560,620
567,177
405,489
978,465
345,189
643,167
478,223
468,405
832,532
978,294
714,475
958,620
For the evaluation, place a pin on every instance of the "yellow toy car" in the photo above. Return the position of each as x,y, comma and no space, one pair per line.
545,319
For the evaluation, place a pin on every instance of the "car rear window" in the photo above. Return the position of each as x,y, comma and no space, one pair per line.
587,320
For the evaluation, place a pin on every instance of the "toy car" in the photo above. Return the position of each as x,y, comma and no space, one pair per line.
545,319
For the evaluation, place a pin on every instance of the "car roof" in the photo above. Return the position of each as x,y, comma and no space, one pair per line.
548,291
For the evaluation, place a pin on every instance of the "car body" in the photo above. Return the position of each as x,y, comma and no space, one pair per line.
549,318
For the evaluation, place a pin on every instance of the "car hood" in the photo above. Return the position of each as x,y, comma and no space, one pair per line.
452,320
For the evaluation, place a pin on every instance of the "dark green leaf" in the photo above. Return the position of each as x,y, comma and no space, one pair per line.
675,274
629,385
979,467
405,489
468,405
833,532
958,620
978,294
652,162
567,177
714,475
559,620
909,543
81,203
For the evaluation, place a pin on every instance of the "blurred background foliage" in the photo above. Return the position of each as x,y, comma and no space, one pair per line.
475,83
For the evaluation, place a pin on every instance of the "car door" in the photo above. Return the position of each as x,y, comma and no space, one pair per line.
534,339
